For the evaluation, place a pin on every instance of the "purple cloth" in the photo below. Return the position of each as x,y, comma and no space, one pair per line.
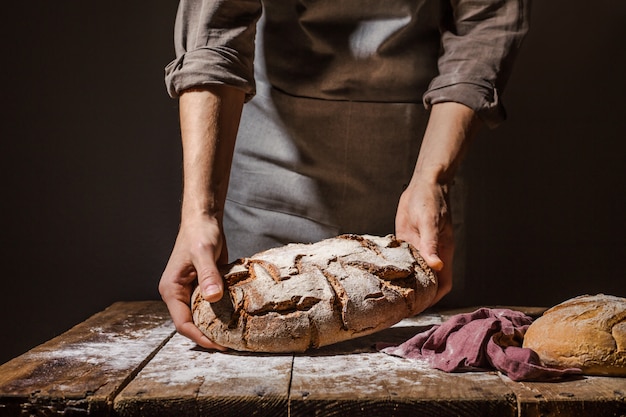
487,339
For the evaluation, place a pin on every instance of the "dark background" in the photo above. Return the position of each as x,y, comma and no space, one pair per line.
90,163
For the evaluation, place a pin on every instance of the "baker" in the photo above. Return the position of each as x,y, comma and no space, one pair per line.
357,115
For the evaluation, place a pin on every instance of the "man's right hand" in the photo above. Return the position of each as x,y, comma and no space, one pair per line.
199,248
209,119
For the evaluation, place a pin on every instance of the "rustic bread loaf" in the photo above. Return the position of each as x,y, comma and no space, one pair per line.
586,332
299,296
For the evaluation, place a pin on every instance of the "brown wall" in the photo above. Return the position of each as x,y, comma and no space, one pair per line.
90,163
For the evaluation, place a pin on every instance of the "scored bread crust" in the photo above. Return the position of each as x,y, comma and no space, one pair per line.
586,332
301,296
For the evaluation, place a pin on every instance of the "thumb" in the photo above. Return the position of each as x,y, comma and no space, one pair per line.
429,242
209,278
432,260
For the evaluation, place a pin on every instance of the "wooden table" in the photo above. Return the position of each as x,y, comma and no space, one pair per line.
128,361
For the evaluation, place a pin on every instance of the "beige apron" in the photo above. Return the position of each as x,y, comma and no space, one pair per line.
331,137
330,140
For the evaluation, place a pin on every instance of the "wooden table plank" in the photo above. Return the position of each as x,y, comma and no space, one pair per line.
183,379
126,361
533,312
81,371
376,384
351,378
587,396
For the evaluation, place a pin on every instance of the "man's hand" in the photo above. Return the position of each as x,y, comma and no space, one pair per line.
423,219
423,216
209,119
199,248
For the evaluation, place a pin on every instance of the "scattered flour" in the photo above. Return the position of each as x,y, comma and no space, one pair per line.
180,362
420,320
108,350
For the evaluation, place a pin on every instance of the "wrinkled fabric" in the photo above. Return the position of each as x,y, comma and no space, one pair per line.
478,47
486,339
356,50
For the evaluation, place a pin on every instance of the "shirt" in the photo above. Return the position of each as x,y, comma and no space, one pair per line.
338,92
358,50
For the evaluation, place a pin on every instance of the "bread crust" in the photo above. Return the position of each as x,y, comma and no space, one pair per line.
586,332
302,296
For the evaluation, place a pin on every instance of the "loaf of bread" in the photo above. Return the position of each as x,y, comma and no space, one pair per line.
301,296
586,332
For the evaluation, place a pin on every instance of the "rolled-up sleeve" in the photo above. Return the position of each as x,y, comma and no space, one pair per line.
479,45
214,44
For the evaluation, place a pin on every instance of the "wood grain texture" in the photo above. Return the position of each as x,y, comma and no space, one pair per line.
183,379
585,396
124,362
376,384
81,371
352,378
533,312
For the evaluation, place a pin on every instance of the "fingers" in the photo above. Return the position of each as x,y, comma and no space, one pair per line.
193,259
181,316
428,247
424,235
175,288
444,283
209,277
423,220
446,253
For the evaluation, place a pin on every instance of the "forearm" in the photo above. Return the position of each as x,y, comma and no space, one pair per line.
451,128
423,217
209,119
